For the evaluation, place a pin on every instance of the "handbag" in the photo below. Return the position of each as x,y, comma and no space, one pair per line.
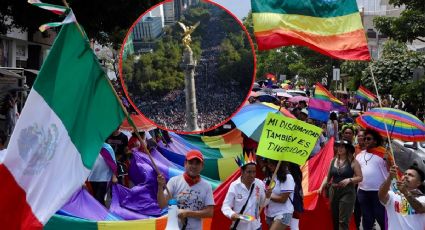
236,223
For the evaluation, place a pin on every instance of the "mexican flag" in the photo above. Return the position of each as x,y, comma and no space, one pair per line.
69,113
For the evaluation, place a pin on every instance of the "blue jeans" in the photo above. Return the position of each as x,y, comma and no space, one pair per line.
371,209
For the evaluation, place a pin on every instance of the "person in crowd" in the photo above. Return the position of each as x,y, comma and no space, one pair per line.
102,173
280,209
405,203
249,145
320,141
360,146
3,139
375,171
119,143
303,115
11,109
287,104
332,127
347,133
246,196
296,111
134,142
193,194
344,172
302,105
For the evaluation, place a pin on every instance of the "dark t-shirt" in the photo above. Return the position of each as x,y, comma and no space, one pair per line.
119,143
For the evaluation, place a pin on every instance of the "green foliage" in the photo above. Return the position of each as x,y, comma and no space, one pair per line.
354,70
155,72
236,59
394,73
409,26
159,72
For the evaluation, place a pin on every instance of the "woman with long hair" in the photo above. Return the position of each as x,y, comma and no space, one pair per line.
332,127
344,172
279,211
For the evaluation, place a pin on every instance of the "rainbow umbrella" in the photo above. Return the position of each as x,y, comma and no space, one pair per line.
401,125
250,119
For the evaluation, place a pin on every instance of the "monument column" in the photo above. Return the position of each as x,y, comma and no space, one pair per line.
188,65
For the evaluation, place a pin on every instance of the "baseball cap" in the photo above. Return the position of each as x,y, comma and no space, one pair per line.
192,154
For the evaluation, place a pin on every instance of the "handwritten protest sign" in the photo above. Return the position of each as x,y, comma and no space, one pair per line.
287,139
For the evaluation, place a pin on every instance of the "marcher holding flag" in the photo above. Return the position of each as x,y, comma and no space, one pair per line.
405,205
280,209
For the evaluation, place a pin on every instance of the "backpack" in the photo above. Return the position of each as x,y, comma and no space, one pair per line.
298,201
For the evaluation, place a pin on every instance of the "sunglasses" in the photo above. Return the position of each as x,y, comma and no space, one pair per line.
368,138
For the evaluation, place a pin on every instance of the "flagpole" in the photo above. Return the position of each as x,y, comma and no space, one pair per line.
380,105
123,108
272,179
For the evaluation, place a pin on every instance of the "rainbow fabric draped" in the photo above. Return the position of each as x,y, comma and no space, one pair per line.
333,28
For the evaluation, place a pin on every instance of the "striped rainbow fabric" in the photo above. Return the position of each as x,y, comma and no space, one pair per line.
72,223
322,93
365,95
219,152
331,27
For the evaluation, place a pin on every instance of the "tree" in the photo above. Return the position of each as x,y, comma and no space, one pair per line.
409,26
354,70
394,73
106,21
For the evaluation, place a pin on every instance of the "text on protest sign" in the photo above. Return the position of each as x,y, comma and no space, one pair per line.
287,139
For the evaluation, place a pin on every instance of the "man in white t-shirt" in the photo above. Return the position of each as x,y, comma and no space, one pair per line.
404,203
193,194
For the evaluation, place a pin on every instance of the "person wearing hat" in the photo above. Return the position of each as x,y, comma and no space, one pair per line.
344,172
193,194
246,196
405,205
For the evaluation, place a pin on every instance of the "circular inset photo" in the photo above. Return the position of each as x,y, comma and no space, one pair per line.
187,65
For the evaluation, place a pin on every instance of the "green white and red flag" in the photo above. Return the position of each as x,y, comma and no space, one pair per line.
68,115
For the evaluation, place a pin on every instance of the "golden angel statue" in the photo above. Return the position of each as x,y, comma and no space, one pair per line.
187,30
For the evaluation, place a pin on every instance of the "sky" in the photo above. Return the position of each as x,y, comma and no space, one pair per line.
239,8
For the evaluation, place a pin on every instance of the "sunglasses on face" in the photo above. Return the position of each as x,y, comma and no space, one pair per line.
368,138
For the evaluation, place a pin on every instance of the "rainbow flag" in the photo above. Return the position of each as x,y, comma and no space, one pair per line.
322,93
219,152
365,95
333,28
